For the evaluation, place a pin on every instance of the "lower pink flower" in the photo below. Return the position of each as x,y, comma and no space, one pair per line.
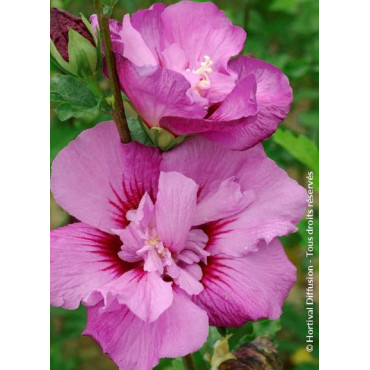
169,243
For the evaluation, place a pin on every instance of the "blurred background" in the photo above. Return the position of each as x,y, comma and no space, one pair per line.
284,33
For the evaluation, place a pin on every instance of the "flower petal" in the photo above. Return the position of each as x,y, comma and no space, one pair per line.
175,208
279,199
156,92
134,344
221,85
226,200
97,179
238,109
202,29
278,206
144,293
150,26
206,127
135,48
184,279
241,102
203,161
193,251
174,58
133,236
237,290
82,259
274,97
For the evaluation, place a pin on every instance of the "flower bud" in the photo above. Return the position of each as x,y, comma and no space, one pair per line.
260,354
73,43
162,138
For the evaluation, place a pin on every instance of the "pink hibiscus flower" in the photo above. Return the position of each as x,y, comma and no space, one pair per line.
174,65
169,243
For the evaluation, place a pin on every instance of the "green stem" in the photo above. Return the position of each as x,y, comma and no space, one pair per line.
189,362
118,111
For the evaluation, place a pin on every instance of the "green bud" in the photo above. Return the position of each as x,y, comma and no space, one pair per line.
163,138
82,55
73,43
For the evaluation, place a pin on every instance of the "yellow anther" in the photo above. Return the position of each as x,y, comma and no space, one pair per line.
154,241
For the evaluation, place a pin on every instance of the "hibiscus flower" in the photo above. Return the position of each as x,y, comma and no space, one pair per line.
169,243
174,64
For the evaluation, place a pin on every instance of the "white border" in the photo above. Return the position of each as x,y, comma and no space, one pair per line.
24,186
344,185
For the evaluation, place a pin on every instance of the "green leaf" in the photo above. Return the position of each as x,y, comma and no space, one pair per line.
71,90
240,335
138,132
266,327
66,111
76,98
169,364
301,148
251,331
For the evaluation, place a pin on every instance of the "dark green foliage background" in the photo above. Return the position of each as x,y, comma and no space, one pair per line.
282,32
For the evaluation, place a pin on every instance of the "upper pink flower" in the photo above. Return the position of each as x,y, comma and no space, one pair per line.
169,243
174,65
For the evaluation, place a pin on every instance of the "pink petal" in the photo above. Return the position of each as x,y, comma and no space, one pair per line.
175,208
184,279
144,293
149,23
188,126
144,215
133,236
193,251
82,259
279,198
97,179
278,206
274,97
221,85
174,58
202,29
203,161
135,48
132,242
226,200
134,344
153,262
156,92
237,290
195,270
241,102
237,110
